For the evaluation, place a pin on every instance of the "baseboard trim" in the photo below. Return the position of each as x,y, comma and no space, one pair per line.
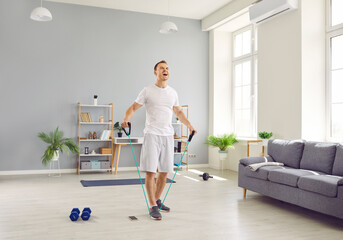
218,168
198,165
35,172
64,171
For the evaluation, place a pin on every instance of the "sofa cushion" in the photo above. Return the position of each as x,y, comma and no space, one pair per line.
338,163
288,152
289,177
323,184
318,156
261,173
252,160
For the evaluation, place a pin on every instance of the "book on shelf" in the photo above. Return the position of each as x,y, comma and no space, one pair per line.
105,135
102,137
86,117
109,133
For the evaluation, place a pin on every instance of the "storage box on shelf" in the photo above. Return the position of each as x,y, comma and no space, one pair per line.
105,150
85,165
105,164
89,118
180,140
95,164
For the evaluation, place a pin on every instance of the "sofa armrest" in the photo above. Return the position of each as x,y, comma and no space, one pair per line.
340,182
251,160
340,192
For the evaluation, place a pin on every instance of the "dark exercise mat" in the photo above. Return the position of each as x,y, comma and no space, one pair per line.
96,183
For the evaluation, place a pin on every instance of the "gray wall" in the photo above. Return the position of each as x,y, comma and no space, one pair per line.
47,67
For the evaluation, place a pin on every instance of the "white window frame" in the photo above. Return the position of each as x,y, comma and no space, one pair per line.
253,92
331,32
330,28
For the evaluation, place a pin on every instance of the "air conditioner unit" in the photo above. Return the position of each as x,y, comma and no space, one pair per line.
267,9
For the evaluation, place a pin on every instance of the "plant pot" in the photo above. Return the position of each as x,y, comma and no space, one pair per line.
56,156
265,142
120,134
222,155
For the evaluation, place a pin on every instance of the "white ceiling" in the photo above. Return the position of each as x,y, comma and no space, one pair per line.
193,9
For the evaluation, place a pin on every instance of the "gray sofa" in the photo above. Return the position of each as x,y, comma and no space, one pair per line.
312,175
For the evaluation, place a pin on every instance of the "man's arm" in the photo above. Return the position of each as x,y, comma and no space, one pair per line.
180,115
129,113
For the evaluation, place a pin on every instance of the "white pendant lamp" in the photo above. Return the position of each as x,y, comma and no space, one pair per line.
168,26
41,14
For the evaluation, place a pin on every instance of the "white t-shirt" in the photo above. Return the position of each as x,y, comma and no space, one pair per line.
159,103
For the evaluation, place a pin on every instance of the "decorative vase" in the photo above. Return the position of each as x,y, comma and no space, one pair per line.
265,142
90,135
95,100
222,155
120,134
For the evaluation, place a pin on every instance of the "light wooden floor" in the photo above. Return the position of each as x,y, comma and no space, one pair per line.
38,207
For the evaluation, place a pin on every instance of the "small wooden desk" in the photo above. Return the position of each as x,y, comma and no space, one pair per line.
122,141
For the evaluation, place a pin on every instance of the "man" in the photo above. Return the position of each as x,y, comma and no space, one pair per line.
158,147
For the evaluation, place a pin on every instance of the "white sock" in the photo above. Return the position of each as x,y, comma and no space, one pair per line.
153,206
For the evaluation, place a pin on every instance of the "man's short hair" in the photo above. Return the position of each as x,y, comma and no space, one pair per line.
162,61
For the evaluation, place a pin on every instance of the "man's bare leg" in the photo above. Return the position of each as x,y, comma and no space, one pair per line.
150,186
160,184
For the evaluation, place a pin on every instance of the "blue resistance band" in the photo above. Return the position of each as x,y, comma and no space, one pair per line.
128,134
189,140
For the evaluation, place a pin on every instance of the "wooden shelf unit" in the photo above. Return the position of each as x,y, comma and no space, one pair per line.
184,136
106,143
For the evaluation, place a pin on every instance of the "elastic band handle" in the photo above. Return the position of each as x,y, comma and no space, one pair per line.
191,136
127,134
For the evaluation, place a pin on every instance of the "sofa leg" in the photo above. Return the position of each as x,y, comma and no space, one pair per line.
244,192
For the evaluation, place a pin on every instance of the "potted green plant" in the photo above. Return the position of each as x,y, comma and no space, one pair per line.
118,128
223,142
265,137
56,143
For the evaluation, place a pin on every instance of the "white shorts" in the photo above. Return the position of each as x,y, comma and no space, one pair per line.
157,152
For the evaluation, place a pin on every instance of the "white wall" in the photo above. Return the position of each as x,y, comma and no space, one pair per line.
279,76
313,69
47,67
219,99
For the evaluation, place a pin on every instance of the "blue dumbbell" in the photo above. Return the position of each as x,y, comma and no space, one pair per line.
86,214
74,215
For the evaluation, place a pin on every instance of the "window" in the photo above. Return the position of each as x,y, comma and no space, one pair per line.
336,12
244,82
335,70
